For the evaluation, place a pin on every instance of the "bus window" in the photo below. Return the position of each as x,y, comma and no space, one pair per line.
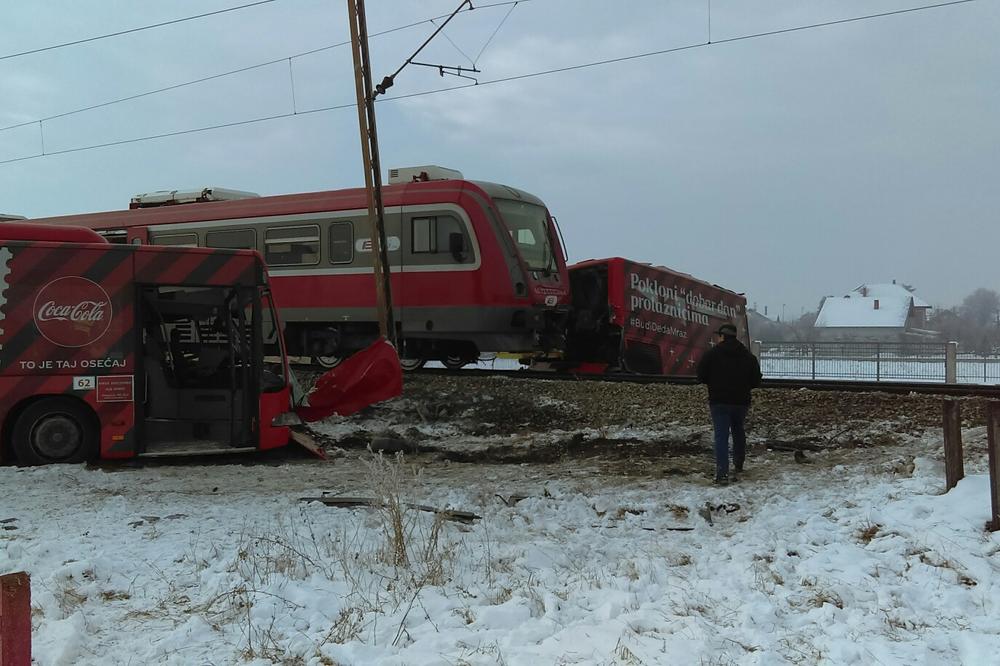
236,239
114,235
180,240
341,242
291,246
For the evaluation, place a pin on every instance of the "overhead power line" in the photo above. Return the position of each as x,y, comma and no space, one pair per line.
242,70
517,77
131,30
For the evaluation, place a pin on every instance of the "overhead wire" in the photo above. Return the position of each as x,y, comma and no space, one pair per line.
500,25
240,70
547,72
133,30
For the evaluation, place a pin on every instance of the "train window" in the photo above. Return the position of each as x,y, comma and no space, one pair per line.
525,237
181,240
236,239
341,242
424,236
431,235
292,246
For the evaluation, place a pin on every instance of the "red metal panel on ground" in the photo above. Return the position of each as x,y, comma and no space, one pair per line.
15,620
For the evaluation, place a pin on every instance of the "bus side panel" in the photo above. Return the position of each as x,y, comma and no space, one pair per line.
116,420
671,318
272,405
67,328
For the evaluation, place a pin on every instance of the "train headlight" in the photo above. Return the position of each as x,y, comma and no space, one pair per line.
551,301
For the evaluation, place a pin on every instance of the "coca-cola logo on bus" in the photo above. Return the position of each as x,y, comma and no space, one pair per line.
72,311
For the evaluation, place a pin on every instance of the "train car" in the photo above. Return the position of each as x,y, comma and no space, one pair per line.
475,266
634,317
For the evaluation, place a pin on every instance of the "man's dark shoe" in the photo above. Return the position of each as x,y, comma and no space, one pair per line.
722,480
738,466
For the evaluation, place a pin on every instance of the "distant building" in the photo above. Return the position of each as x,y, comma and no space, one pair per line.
875,313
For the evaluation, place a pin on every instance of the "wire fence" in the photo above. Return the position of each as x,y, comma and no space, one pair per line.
875,361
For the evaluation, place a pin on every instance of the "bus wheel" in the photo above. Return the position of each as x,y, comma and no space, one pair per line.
327,361
411,364
54,430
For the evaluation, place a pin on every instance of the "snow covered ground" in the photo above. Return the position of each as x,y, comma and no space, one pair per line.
852,557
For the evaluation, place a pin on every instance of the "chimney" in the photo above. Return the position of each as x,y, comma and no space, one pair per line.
876,304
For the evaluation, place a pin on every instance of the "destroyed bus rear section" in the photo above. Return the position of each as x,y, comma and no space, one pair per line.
632,317
113,351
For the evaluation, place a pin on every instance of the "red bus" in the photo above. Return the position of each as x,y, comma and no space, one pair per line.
476,267
113,351
634,317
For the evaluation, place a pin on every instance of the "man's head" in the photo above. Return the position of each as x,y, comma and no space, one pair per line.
726,331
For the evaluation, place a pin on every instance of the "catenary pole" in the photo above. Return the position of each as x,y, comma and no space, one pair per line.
373,169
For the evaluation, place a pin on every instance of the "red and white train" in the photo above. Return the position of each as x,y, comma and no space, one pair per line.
475,266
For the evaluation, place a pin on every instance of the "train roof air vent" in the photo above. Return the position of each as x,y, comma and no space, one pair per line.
422,173
174,197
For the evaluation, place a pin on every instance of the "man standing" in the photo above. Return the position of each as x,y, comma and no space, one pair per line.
730,371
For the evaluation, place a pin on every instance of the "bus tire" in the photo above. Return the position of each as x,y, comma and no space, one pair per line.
55,430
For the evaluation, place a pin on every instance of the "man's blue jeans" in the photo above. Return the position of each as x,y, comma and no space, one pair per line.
726,419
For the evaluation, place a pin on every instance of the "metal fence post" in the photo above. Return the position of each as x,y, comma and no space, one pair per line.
878,362
15,620
812,348
954,465
951,363
993,448
755,348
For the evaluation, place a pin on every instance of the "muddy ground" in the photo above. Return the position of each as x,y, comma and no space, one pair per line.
624,428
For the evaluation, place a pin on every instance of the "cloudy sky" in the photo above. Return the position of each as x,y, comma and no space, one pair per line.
788,166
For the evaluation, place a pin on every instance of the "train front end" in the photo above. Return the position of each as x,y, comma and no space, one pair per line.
541,278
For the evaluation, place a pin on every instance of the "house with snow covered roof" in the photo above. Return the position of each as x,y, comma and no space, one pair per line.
885,312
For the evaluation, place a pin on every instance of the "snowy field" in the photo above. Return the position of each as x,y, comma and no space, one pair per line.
851,557
977,371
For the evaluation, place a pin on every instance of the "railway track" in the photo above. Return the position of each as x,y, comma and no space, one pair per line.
925,388
851,386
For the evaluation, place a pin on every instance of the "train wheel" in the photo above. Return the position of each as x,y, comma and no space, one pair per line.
55,430
455,362
327,361
411,364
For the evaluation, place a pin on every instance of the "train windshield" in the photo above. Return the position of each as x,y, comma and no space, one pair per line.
529,227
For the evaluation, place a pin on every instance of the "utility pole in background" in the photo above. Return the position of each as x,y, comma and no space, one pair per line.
373,168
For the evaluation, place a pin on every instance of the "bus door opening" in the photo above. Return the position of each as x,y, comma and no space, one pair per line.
199,368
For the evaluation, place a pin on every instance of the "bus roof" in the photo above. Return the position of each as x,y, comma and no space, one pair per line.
21,231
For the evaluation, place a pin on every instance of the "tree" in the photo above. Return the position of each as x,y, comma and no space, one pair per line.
981,307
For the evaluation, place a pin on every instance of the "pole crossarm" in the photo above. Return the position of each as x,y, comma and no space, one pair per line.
389,80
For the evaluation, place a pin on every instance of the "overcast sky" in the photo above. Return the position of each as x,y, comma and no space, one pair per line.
787,167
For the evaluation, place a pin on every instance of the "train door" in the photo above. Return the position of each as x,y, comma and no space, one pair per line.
199,392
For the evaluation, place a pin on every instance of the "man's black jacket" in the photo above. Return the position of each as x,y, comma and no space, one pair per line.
730,371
